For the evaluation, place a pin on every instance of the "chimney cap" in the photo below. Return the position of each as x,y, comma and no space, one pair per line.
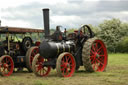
45,9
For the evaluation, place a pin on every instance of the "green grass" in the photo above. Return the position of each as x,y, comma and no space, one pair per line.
118,59
115,74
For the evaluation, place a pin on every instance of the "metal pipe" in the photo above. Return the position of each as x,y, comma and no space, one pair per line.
46,22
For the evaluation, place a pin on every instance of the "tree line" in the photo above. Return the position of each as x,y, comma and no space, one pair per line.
115,34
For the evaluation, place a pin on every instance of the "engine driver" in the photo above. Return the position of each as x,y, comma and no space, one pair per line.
57,35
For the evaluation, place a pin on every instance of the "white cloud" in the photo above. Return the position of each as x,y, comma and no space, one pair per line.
65,20
15,3
69,13
16,23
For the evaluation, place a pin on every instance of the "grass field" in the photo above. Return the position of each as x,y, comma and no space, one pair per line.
116,74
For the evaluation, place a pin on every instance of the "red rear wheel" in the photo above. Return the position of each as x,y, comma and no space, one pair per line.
30,56
65,65
98,56
38,68
6,65
94,55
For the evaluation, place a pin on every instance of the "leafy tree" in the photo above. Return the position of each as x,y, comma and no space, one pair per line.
71,30
124,29
52,31
123,45
111,33
93,28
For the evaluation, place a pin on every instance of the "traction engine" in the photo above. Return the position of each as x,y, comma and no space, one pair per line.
66,53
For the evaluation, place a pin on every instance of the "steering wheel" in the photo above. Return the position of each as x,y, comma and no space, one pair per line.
86,31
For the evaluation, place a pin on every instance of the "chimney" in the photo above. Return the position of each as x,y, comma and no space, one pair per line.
46,22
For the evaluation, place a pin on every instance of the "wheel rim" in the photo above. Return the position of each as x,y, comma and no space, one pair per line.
7,66
42,70
98,56
33,53
67,65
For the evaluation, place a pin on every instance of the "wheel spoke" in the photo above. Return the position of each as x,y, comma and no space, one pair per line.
99,50
62,62
72,65
8,69
93,66
97,66
40,72
99,61
92,56
6,60
67,71
9,65
62,65
93,48
92,51
37,63
34,54
62,69
102,55
96,47
70,62
93,61
3,61
36,50
45,69
39,67
67,58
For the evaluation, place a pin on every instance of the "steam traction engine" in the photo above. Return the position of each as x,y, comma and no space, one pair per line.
14,49
67,54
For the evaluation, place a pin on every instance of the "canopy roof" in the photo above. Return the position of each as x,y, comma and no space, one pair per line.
19,30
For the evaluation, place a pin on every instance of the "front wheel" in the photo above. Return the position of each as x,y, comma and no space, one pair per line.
38,66
65,65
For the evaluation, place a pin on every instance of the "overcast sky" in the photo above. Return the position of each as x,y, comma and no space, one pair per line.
68,13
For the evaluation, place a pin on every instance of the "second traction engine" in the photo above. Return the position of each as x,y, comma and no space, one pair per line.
67,53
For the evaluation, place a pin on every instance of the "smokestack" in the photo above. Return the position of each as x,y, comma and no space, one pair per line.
46,22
